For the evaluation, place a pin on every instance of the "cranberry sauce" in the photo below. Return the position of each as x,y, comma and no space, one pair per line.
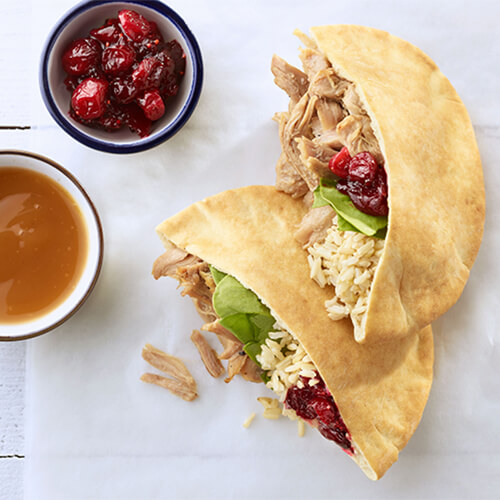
122,74
363,180
316,405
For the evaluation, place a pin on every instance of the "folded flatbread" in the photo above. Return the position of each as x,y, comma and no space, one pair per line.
367,90
380,390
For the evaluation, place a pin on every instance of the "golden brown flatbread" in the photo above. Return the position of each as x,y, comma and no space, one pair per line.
436,190
380,390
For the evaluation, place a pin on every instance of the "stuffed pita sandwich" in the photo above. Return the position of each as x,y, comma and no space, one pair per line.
379,145
234,254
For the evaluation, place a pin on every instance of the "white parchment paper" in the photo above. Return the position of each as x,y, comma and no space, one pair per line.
95,431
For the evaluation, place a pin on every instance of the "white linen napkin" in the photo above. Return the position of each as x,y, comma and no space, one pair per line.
95,431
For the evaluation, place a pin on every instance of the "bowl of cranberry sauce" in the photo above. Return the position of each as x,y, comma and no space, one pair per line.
121,77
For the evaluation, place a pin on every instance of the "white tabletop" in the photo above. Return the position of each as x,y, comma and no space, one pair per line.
17,89
15,120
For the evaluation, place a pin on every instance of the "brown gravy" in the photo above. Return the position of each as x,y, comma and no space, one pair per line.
43,244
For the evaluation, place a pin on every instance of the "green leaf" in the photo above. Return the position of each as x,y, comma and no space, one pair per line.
231,297
342,204
263,323
217,275
242,313
381,233
253,350
319,201
241,326
344,225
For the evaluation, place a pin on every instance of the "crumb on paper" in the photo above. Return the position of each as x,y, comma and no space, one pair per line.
249,420
301,428
272,408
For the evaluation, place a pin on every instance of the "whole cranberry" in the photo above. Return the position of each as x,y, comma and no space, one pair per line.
363,168
371,200
152,104
134,25
89,98
117,59
81,56
339,164
108,33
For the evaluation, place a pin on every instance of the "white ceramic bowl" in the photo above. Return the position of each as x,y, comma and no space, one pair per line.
88,279
77,23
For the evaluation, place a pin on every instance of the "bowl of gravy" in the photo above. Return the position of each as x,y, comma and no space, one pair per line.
51,245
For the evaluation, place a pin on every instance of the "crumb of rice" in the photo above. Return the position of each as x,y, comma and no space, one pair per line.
301,428
272,413
248,421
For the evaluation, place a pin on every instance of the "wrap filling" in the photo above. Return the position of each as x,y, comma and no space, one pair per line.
331,157
255,345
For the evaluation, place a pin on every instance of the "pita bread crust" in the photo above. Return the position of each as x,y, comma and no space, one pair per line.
436,190
381,389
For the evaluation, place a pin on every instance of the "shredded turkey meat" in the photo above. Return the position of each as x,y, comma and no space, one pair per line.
314,226
181,383
197,282
324,114
208,355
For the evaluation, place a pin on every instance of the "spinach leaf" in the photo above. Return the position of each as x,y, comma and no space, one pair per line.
216,274
242,313
349,217
232,297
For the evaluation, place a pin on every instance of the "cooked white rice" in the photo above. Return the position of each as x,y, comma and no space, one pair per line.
346,260
285,361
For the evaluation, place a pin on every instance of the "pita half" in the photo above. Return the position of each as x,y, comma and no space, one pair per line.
380,390
370,91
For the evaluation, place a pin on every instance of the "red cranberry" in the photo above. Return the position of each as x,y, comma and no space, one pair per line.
134,25
136,120
363,168
117,59
337,433
89,98
325,411
71,82
169,86
152,104
316,404
124,90
109,33
363,180
298,399
371,200
81,56
151,71
122,74
177,54
339,164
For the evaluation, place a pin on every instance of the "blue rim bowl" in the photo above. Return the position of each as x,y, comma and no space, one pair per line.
77,23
